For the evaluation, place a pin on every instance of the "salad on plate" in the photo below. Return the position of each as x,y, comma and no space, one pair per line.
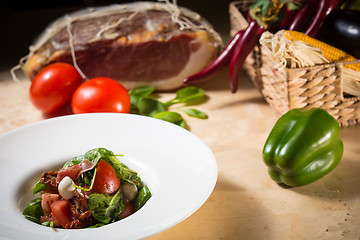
89,191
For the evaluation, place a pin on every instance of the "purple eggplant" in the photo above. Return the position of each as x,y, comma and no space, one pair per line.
341,29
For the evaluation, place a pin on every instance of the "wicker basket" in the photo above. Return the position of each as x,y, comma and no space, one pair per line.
288,88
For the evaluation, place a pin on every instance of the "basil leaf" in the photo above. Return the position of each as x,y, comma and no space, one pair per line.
150,106
143,196
40,186
186,95
137,93
182,124
172,117
33,210
142,91
189,93
195,113
106,208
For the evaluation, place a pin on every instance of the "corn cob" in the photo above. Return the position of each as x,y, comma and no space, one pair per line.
330,52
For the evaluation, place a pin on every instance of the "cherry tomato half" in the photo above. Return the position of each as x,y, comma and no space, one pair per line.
54,86
61,212
106,179
101,94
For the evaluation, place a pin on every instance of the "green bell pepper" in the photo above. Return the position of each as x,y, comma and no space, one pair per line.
303,146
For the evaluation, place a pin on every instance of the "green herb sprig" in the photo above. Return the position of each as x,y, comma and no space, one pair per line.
144,102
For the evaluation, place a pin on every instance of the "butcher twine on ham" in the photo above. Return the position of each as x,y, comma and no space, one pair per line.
140,43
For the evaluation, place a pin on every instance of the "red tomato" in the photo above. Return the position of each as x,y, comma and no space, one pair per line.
106,179
129,208
46,200
61,212
54,86
101,95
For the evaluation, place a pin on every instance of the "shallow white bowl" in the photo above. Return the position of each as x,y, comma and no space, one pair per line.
180,170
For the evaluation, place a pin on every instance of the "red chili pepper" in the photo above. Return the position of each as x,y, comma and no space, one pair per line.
244,41
303,16
292,11
289,16
218,64
245,44
323,9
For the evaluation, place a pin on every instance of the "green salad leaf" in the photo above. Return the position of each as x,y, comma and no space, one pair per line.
106,208
40,186
123,172
97,225
94,156
74,161
143,196
33,210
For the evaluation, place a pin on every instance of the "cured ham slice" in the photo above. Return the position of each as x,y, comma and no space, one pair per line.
141,43
75,171
72,172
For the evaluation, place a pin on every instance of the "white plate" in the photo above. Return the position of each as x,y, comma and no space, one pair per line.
180,170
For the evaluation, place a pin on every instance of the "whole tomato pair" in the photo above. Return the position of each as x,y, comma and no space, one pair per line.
59,83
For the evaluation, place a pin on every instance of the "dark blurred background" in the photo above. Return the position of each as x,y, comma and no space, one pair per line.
22,21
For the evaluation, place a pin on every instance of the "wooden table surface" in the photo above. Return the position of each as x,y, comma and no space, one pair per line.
246,203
